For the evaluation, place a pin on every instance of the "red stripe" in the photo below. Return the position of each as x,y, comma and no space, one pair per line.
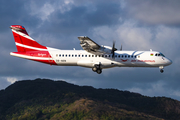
43,54
40,54
51,62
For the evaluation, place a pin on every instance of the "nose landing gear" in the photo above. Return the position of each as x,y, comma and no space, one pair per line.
161,69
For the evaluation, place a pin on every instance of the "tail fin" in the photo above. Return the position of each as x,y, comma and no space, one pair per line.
23,41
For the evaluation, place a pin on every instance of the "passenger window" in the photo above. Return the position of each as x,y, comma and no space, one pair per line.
122,56
59,55
92,55
95,55
69,55
119,56
82,55
85,55
125,56
75,55
105,55
102,55
72,55
115,55
128,56
66,55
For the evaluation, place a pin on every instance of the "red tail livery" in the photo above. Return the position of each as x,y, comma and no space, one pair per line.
29,48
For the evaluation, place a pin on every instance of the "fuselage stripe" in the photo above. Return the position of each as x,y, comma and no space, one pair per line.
30,57
23,35
26,46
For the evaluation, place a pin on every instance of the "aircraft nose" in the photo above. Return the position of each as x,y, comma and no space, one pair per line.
169,62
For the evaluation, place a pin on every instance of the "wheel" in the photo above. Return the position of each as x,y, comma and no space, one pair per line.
161,70
99,71
94,69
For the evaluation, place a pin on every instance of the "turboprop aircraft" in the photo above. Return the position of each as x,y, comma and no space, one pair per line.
93,56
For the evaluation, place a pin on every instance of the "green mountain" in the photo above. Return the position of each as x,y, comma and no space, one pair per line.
44,99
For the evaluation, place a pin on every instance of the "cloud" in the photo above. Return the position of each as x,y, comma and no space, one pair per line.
12,79
155,11
41,12
58,24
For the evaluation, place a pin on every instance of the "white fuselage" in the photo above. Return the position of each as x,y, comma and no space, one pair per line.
121,59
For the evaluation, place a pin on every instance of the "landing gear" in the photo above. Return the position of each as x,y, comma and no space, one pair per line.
94,69
161,69
97,69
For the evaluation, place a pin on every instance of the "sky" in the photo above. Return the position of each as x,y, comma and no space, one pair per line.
136,24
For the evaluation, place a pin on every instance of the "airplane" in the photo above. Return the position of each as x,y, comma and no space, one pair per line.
94,56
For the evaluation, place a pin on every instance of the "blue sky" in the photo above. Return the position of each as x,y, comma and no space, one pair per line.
136,24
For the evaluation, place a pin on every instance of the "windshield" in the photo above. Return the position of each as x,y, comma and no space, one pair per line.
159,54
162,54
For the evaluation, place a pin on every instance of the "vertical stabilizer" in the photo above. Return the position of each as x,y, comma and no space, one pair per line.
23,41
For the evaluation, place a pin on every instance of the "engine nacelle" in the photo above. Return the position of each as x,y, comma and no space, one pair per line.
106,49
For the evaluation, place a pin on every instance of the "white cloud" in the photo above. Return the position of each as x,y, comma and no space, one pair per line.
128,34
134,37
41,11
155,11
11,79
65,6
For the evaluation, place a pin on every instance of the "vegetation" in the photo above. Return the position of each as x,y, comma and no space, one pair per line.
44,99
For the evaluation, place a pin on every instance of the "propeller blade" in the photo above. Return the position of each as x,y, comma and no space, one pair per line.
121,48
113,49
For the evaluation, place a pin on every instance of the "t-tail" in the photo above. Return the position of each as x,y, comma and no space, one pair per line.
28,48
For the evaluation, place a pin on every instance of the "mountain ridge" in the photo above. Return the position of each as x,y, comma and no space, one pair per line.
69,101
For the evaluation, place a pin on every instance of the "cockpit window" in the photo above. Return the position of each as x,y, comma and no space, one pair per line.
159,54
162,54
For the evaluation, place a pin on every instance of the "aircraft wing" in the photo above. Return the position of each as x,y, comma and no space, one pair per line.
89,45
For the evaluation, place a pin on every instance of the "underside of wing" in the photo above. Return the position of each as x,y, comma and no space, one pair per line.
89,45
92,47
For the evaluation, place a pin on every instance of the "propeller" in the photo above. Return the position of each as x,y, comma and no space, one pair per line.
113,49
121,48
